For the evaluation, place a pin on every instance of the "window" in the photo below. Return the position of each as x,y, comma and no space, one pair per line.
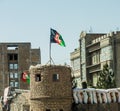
95,58
15,56
16,84
55,77
15,66
12,56
11,75
10,66
48,110
38,77
16,75
12,84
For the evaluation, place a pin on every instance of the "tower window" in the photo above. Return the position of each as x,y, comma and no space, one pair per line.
55,77
38,77
48,110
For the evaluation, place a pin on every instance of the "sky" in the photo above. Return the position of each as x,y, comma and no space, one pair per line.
31,20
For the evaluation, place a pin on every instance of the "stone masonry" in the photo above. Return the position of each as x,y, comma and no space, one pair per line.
52,92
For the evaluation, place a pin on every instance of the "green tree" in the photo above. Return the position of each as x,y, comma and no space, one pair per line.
106,78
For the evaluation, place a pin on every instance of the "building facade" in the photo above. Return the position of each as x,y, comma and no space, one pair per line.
75,63
14,59
97,50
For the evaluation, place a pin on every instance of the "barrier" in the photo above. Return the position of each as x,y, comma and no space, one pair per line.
96,96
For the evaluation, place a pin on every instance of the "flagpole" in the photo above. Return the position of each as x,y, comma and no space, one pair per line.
50,52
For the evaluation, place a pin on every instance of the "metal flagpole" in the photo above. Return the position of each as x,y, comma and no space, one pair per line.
50,58
50,52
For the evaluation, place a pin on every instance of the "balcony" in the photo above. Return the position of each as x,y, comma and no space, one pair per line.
93,50
93,65
93,68
93,44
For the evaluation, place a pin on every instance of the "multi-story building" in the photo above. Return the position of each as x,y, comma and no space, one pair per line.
95,51
14,59
75,63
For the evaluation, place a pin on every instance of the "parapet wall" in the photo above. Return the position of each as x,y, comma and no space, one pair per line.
46,87
97,107
91,99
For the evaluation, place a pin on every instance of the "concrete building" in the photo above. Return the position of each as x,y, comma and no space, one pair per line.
75,63
14,59
96,50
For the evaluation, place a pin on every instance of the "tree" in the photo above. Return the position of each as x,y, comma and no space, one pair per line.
106,78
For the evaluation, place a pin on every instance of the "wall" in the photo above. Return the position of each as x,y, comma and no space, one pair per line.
97,107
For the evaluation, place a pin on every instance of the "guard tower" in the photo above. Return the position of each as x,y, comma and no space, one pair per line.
50,88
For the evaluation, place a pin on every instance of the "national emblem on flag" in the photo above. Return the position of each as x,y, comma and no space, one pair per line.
55,37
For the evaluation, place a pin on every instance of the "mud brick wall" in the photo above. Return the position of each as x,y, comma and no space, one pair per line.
48,94
52,104
21,102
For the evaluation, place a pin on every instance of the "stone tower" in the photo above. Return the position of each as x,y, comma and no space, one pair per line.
50,88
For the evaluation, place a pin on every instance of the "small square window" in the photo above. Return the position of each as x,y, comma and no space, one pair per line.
55,77
48,110
38,77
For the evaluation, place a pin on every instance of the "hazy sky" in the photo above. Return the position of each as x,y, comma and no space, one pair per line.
31,20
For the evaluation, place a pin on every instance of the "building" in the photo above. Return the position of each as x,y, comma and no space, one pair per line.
50,90
75,63
96,50
14,59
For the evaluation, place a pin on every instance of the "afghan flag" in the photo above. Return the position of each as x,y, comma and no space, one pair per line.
25,77
55,37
